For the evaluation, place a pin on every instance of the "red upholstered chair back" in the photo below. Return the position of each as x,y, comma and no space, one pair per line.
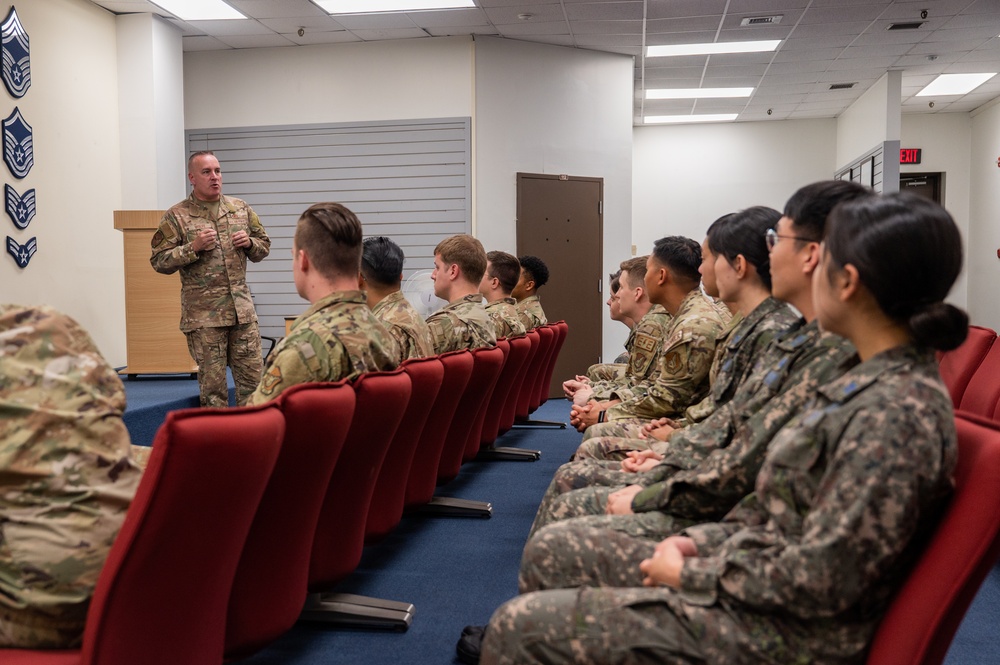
386,509
340,534
270,586
424,470
958,366
483,356
982,395
924,615
513,366
520,383
162,595
544,387
486,366
529,394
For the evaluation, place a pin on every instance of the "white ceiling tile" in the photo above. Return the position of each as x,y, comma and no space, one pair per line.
228,28
657,9
607,28
451,18
540,13
375,21
285,25
256,41
398,33
316,37
533,28
203,43
604,11
271,9
462,30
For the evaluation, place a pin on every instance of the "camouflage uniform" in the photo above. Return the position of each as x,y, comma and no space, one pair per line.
710,466
530,311
404,323
66,479
337,338
613,371
217,312
681,376
506,320
648,344
800,571
462,324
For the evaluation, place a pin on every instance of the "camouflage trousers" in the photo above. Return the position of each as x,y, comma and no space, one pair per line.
237,346
30,629
606,372
623,428
594,550
574,477
614,446
621,626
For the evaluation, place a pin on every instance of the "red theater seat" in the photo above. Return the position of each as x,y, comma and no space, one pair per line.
982,395
958,366
162,595
924,615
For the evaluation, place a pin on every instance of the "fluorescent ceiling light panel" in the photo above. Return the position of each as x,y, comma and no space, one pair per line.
954,84
698,93
199,10
711,49
684,119
375,6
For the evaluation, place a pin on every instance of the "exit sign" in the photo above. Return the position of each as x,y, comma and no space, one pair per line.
909,155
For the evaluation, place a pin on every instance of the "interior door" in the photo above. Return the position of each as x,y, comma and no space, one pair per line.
560,220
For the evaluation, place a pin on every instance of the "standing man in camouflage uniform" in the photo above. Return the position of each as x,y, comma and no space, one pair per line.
672,280
209,237
502,273
337,337
66,478
459,265
382,274
534,275
803,569
646,341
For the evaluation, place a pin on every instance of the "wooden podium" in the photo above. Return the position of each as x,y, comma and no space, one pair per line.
154,342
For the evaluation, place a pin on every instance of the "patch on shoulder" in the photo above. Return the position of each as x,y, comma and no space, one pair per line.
270,380
645,342
673,362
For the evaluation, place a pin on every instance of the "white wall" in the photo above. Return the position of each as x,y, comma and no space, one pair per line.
686,176
387,80
984,231
549,109
72,106
871,120
946,140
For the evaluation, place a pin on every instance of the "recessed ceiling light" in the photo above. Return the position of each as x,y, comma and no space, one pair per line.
678,119
698,93
954,84
710,49
376,6
199,10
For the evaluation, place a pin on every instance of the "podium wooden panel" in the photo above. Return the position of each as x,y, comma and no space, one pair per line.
154,342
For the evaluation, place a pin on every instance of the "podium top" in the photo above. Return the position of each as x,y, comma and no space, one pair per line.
137,219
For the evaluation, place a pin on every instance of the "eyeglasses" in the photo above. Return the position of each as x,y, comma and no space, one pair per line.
771,238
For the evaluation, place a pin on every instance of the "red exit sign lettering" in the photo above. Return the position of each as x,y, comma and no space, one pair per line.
909,155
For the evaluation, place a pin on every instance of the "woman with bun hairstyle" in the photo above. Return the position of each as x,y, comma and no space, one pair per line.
803,569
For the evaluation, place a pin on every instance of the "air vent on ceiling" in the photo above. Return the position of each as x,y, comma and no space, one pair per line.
912,25
762,20
842,86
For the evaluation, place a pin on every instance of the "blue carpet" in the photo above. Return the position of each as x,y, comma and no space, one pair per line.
456,571
149,399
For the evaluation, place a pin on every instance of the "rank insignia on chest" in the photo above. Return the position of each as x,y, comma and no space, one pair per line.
16,65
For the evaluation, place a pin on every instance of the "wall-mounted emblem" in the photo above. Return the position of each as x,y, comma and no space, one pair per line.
18,149
20,209
21,253
15,68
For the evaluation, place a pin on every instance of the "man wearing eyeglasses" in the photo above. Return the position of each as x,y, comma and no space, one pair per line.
208,237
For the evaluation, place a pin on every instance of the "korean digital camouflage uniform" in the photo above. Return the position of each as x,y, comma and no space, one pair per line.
708,467
462,324
801,571
337,338
217,312
684,359
530,311
405,324
648,343
66,479
506,321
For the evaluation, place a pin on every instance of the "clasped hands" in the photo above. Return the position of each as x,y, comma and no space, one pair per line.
664,567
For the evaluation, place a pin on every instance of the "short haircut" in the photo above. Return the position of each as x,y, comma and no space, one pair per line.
743,233
196,155
615,282
535,267
681,256
636,269
506,268
330,235
810,205
467,253
382,261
